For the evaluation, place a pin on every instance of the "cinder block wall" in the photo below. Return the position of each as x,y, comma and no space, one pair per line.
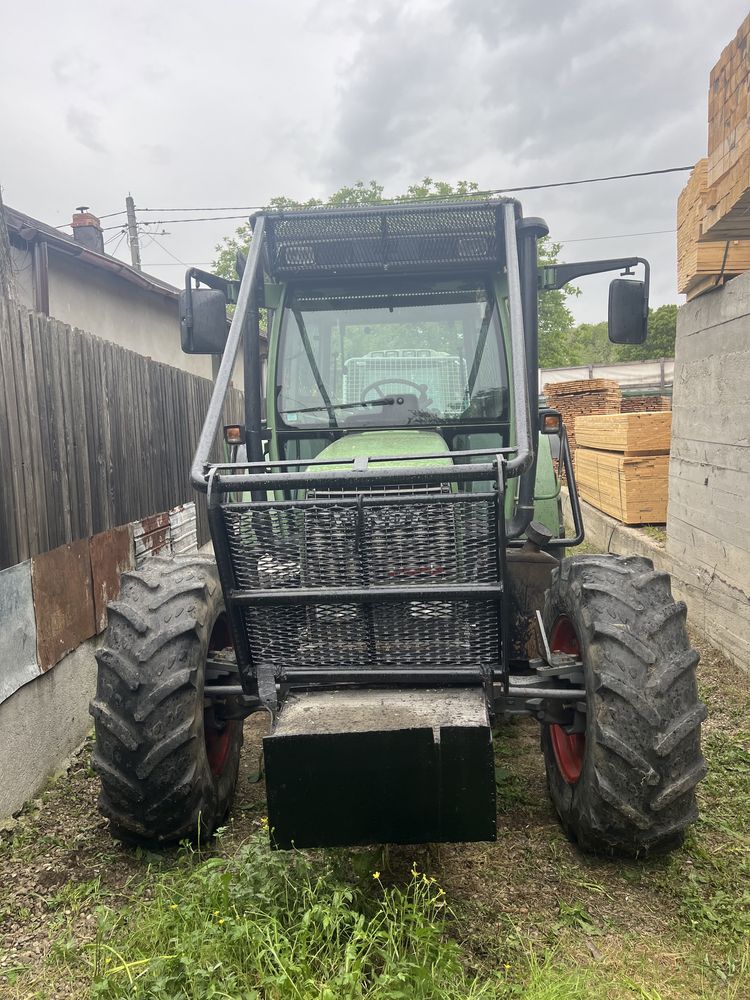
708,520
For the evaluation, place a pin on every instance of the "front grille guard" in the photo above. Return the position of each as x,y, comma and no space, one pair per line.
378,588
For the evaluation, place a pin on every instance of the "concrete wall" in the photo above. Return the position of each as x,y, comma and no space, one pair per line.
708,520
609,535
42,724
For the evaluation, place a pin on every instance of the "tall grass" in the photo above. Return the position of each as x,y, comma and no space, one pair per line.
265,926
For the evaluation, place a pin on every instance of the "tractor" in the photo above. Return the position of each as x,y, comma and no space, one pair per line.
390,580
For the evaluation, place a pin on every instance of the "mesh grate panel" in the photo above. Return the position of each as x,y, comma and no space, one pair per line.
385,545
443,375
375,239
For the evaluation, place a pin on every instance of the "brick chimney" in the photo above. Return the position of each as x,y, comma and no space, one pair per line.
87,230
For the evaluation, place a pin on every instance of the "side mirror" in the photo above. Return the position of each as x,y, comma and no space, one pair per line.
203,320
628,311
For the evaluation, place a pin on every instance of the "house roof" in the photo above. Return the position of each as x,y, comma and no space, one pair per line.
32,231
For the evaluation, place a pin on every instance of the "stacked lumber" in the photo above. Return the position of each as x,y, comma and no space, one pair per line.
729,83
629,433
582,397
727,215
622,465
645,404
713,211
634,490
698,261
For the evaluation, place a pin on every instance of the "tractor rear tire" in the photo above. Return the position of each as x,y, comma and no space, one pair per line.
627,785
168,766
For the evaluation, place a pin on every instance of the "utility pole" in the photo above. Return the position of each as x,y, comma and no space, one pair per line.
135,247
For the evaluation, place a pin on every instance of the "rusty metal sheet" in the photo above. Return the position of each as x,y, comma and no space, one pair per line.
111,554
18,662
63,601
183,526
152,536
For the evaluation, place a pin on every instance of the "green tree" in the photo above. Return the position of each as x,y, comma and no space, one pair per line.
662,330
555,317
590,344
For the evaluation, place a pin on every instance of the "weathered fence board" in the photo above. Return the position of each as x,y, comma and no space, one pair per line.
91,436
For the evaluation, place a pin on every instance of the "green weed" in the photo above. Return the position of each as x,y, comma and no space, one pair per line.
275,926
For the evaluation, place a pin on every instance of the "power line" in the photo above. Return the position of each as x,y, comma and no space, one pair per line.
167,251
499,190
596,180
165,222
615,236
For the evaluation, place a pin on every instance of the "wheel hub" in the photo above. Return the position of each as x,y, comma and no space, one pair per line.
217,733
569,748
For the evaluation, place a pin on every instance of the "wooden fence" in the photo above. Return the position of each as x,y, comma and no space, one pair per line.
91,435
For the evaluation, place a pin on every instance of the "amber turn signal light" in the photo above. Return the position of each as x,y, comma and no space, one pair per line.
550,422
234,434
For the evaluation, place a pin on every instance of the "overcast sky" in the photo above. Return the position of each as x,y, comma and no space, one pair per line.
202,105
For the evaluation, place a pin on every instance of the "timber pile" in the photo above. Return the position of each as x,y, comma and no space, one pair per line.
713,212
698,263
634,490
630,433
582,397
622,465
645,404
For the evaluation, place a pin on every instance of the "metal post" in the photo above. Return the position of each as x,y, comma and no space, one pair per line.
135,247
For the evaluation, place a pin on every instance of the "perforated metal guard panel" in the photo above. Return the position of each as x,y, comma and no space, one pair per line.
381,545
444,376
380,239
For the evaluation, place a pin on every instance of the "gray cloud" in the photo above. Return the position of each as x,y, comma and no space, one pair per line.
85,126
301,96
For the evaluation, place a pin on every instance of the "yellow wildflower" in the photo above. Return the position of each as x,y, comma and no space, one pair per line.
376,875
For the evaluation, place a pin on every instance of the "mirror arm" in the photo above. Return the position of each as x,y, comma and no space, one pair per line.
229,288
557,275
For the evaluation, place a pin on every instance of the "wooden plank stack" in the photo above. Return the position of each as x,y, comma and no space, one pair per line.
582,397
698,263
713,211
645,404
622,464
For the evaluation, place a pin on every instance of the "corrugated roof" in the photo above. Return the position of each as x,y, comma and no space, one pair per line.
32,230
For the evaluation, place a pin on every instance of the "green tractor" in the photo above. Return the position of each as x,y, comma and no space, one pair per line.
390,582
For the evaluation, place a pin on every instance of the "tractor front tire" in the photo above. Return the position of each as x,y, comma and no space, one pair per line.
626,786
168,767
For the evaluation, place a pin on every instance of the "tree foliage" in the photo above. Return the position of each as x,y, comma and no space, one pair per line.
590,345
561,342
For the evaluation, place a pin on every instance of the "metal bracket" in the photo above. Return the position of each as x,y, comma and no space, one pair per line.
558,664
267,687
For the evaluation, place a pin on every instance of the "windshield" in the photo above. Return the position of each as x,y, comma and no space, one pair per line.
391,355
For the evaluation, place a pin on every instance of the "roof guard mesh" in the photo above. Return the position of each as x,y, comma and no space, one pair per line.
461,235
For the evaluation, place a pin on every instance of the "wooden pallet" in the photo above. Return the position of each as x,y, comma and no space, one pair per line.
628,433
632,489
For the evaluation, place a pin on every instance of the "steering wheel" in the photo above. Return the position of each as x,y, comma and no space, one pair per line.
423,400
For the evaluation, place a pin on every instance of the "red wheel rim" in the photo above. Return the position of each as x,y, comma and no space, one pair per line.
218,738
218,742
569,748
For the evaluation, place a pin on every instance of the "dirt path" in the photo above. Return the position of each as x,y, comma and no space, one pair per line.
653,929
